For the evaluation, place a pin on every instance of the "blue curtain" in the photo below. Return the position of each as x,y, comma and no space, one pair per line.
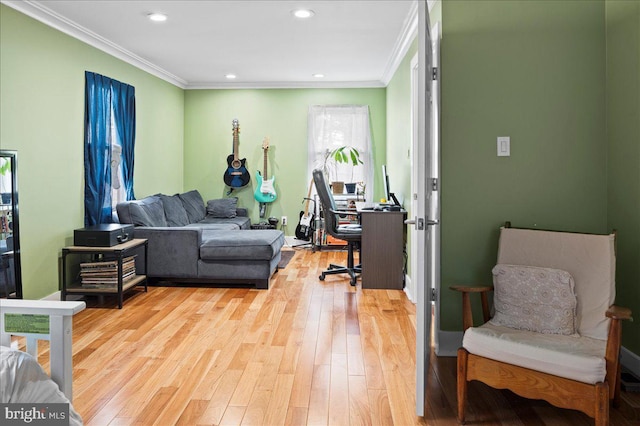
124,111
102,95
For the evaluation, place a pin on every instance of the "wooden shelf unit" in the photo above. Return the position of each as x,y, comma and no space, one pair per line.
117,253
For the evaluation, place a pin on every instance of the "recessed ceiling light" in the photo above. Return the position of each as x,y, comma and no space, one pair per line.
303,13
157,17
230,76
318,75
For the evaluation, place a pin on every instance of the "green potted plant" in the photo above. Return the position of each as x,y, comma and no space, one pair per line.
342,155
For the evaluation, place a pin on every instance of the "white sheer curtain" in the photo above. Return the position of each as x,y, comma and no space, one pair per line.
333,126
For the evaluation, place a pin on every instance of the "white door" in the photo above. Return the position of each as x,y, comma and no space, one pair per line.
426,249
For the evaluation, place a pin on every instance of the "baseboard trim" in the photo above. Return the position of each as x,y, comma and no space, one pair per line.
630,361
448,343
53,296
407,289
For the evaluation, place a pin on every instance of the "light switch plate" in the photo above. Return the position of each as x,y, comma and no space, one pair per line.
504,146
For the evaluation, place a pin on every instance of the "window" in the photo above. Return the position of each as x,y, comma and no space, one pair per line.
333,126
110,124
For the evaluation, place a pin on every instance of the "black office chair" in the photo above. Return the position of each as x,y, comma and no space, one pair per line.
352,234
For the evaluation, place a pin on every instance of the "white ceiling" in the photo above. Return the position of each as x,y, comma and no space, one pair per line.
355,43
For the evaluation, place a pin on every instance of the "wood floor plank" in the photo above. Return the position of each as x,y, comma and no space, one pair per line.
380,409
156,405
233,416
355,360
279,402
257,408
296,416
319,398
303,352
242,394
192,412
220,398
339,390
303,377
359,409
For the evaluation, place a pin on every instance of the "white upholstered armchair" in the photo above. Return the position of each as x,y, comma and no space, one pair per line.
554,334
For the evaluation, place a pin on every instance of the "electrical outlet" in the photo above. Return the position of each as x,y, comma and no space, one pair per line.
284,220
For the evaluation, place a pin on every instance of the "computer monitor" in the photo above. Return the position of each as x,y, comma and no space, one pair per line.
388,195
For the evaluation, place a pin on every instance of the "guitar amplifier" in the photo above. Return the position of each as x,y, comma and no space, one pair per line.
103,235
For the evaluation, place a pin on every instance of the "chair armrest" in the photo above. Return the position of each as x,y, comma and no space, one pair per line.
619,313
612,353
467,314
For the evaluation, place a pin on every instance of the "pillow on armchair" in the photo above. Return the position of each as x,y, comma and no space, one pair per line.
535,299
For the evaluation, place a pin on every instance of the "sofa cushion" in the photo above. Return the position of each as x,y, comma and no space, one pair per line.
572,357
194,205
238,222
174,210
222,225
222,208
146,212
261,244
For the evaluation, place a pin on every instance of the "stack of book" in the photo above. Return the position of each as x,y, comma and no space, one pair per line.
105,274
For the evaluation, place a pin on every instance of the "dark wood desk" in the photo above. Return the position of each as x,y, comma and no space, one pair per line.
382,249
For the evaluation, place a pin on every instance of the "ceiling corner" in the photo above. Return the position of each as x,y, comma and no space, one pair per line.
408,33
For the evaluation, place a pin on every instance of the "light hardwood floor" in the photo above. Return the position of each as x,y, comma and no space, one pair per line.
303,352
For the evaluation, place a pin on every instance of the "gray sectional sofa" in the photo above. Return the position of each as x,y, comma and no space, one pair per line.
197,243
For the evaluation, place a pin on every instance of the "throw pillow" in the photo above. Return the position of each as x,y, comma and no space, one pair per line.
193,205
223,207
174,210
148,212
535,299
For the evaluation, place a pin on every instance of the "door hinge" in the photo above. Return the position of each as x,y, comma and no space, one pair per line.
434,296
434,184
434,73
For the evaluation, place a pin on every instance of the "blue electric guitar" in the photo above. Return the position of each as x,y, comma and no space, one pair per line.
237,174
265,191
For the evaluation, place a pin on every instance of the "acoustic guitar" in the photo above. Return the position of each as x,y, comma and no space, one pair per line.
236,175
265,191
305,228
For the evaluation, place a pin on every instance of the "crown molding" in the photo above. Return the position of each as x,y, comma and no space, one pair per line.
48,17
287,85
408,33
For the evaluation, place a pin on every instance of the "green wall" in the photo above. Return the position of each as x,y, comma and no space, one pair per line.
399,128
534,71
42,116
399,137
280,114
623,137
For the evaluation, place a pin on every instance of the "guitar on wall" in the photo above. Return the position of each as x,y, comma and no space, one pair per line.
305,228
265,191
237,174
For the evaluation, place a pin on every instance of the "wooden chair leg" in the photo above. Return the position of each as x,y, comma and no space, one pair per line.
602,404
616,388
467,318
462,384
